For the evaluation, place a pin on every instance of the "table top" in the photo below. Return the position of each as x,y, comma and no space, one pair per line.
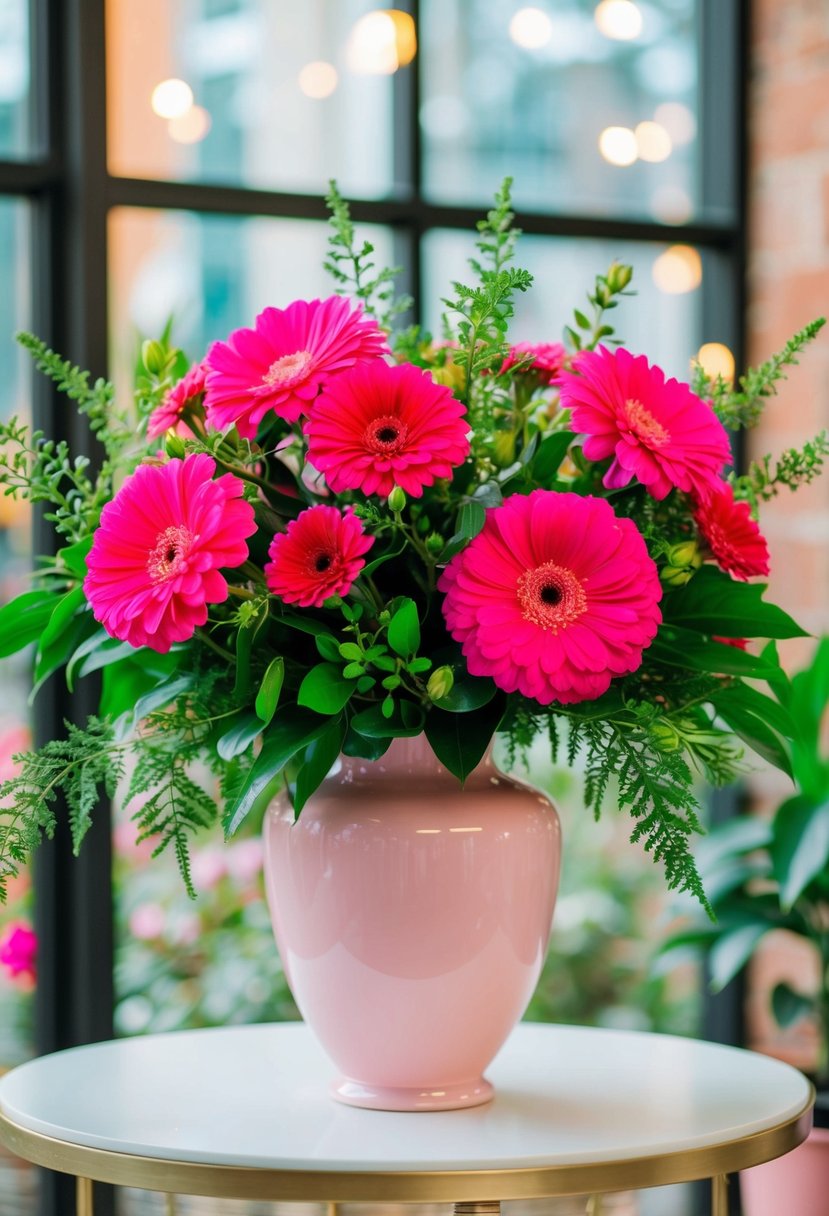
245,1112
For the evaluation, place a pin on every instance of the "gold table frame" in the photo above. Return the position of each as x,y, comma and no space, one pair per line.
471,1191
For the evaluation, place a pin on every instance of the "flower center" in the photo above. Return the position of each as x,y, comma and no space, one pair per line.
551,596
321,562
644,426
171,549
288,369
385,436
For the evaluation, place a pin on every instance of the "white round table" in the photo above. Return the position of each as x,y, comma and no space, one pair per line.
245,1113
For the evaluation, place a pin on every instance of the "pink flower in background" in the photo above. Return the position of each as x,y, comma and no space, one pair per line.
655,429
547,359
280,366
188,391
147,922
379,426
555,597
18,951
319,555
733,537
245,860
208,867
13,741
155,560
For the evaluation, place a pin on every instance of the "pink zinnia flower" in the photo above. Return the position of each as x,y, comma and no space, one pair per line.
733,537
655,429
319,555
18,951
281,364
555,597
379,426
155,560
547,359
188,391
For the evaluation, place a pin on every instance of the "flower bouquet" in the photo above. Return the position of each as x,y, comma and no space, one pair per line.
329,533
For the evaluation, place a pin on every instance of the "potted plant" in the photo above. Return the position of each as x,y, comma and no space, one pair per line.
333,559
768,874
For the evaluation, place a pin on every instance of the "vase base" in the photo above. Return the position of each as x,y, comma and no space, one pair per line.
388,1097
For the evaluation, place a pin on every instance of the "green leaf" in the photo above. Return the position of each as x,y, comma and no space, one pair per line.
267,698
324,689
122,686
789,1006
460,741
468,693
58,645
364,747
320,757
406,721
550,455
368,570
245,638
235,741
800,845
733,949
96,652
351,651
679,647
471,519
23,620
163,694
808,701
305,624
714,603
74,556
64,611
743,709
327,646
288,734
404,629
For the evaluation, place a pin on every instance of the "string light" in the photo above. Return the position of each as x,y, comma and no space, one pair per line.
618,19
190,127
678,270
678,120
716,360
653,142
318,79
530,28
618,146
171,98
381,42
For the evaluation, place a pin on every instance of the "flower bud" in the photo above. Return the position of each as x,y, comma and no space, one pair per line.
686,553
435,543
504,448
665,736
676,576
397,500
440,683
452,375
618,276
153,357
174,445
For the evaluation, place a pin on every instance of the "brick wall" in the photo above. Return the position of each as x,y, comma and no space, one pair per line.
788,286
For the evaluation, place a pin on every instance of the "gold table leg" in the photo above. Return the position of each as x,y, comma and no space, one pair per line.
594,1206
483,1207
170,1204
719,1195
83,1197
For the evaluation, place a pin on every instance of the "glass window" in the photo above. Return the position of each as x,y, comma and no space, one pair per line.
664,321
591,105
246,92
16,99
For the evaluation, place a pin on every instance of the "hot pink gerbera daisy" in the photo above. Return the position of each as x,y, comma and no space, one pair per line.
319,555
281,364
655,429
18,950
731,534
547,359
555,597
155,560
188,391
379,426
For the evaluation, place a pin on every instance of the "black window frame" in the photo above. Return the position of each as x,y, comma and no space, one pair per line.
71,193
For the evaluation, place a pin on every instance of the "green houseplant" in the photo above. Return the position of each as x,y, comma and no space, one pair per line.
767,874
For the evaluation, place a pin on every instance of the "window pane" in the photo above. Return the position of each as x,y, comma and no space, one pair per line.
16,120
663,320
281,96
17,1180
591,107
213,962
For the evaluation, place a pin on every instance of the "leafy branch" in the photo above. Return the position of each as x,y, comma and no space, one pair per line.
353,269
743,406
594,328
795,467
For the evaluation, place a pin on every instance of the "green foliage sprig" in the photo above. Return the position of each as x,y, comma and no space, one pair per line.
795,467
353,269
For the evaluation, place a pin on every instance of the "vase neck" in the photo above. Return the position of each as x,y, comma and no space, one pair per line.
405,755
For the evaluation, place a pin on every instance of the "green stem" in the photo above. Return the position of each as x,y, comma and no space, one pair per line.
205,637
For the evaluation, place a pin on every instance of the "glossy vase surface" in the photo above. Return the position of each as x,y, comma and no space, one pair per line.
412,916
797,1183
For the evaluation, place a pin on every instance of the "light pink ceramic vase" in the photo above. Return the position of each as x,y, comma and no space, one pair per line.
412,916
796,1184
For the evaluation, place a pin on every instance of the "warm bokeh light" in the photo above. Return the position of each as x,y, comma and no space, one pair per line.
653,142
530,28
381,42
678,120
190,127
671,204
618,145
619,19
716,360
318,79
171,98
677,270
